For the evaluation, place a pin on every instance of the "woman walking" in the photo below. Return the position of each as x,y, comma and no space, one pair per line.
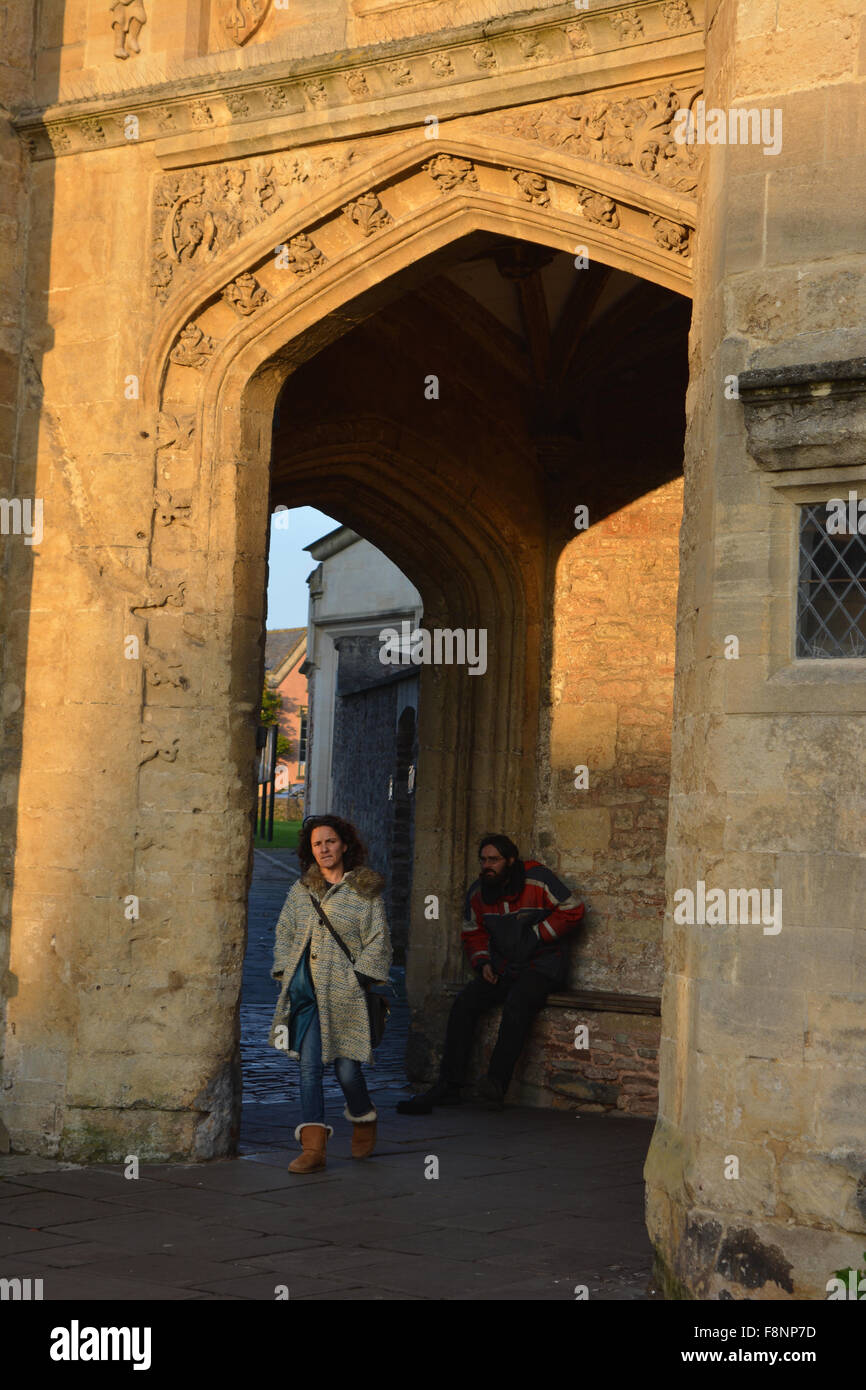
321,1014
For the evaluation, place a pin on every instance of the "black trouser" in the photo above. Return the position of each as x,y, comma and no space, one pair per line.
521,998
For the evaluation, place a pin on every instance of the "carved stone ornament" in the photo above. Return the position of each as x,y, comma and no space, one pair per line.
532,186
158,746
245,294
628,24
678,15
200,113
578,37
356,82
316,93
301,255
597,207
174,431
483,57
368,214
449,172
59,138
806,416
635,133
442,65
401,74
161,671
193,349
128,18
93,131
532,48
671,236
172,506
237,104
240,19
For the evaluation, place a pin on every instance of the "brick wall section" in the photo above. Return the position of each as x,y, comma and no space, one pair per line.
619,1071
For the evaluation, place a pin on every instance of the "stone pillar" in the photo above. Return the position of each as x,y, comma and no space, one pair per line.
757,1171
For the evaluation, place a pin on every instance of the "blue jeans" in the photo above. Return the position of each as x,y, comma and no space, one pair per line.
348,1073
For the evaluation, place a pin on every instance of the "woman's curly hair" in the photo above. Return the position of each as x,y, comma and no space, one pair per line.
355,854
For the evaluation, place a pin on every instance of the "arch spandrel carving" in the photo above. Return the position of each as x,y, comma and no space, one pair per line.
423,197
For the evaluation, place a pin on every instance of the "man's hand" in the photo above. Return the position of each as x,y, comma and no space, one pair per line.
488,974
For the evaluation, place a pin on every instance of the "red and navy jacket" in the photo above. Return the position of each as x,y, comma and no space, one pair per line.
530,885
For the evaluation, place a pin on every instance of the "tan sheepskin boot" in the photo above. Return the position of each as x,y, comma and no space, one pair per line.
313,1139
363,1133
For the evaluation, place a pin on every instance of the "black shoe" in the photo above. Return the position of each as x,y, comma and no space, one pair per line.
423,1104
491,1095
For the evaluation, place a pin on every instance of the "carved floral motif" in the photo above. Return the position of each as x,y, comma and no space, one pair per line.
627,23
200,113
368,214
484,57
449,172
671,236
93,131
442,65
598,208
532,48
172,506
193,349
245,294
357,84
237,104
174,431
678,15
532,186
302,256
316,93
401,74
578,37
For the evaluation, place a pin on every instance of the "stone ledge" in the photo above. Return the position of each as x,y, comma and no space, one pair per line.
811,415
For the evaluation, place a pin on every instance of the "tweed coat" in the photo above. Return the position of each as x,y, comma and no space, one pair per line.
357,913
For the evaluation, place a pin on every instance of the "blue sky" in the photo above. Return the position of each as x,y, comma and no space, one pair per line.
290,564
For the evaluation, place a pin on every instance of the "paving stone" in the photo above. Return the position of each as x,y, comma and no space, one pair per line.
15,1238
39,1209
173,1270
11,1189
263,1286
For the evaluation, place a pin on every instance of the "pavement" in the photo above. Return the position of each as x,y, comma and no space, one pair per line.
464,1204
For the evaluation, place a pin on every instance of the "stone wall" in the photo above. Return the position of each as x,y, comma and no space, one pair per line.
760,1144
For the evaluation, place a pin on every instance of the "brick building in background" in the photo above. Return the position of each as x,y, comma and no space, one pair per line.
285,654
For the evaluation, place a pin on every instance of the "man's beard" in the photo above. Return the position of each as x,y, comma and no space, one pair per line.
493,885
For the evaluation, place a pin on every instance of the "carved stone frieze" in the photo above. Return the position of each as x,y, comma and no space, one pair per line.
161,670
533,187
200,113
449,172
237,103
193,348
200,214
635,133
367,214
245,295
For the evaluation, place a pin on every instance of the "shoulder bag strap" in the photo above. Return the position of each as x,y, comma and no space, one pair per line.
323,918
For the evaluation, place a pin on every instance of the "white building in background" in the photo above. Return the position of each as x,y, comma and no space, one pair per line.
355,591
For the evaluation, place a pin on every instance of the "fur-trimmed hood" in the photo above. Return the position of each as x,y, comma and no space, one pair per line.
366,882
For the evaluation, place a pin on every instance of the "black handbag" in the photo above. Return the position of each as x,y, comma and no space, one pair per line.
378,1008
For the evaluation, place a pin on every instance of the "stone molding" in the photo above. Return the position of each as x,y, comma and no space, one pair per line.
807,416
412,187
474,68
